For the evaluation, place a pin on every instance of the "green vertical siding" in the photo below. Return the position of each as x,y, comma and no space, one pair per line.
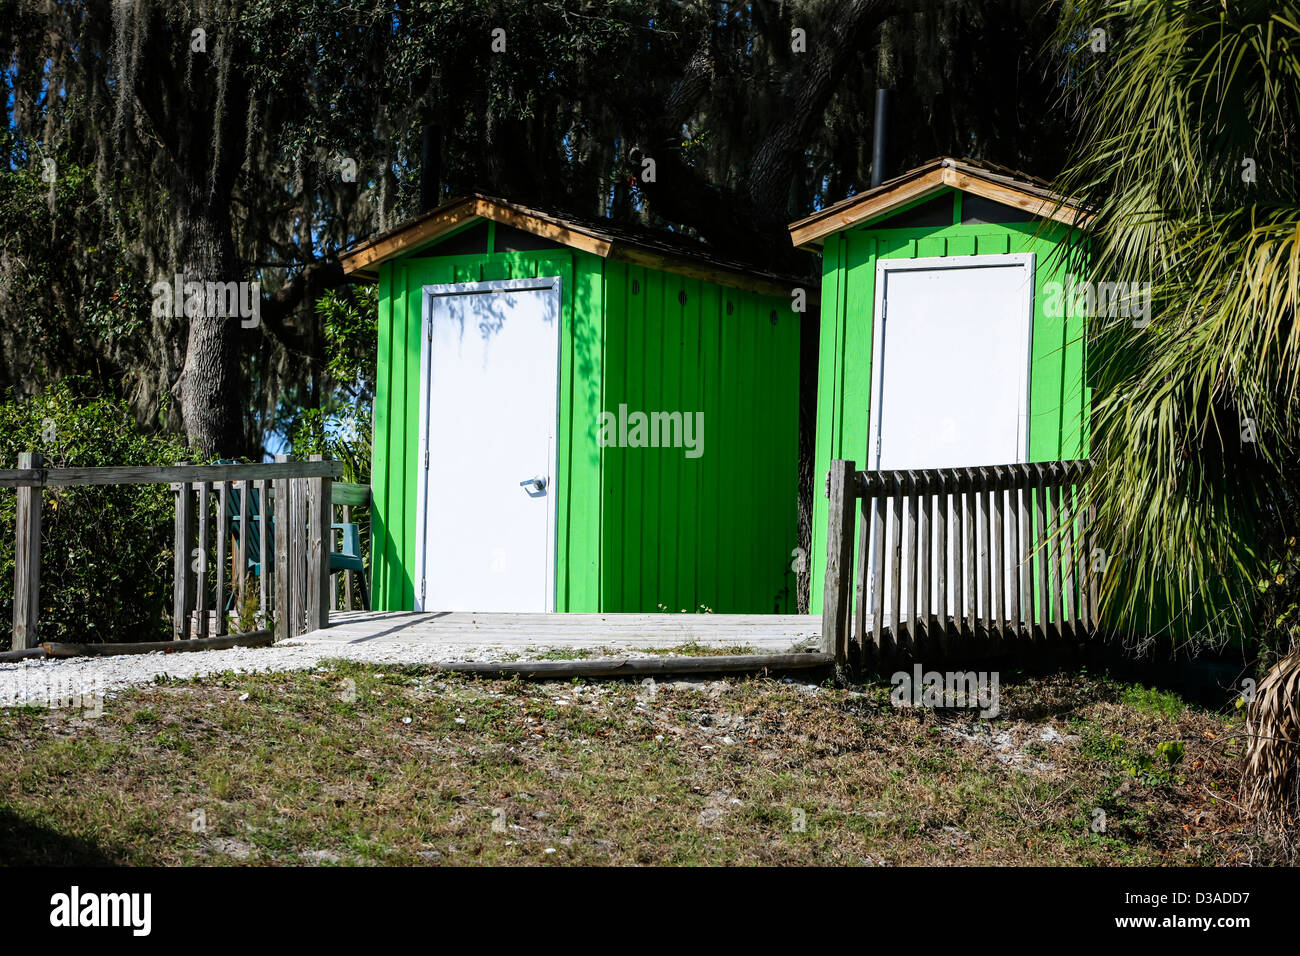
383,552
1058,399
580,553
638,529
714,531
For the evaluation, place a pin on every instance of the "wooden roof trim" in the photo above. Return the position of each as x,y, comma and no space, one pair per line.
361,258
565,234
364,259
811,231
1045,207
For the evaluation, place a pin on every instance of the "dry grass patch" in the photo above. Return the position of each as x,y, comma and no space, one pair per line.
366,765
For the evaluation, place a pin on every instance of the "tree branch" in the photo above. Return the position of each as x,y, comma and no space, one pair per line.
318,277
753,223
678,193
807,94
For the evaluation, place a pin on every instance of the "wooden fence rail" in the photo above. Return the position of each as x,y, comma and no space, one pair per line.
212,537
956,562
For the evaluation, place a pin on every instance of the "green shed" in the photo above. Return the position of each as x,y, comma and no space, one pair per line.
949,333
571,416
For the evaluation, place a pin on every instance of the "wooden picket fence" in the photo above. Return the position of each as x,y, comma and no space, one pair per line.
956,562
296,498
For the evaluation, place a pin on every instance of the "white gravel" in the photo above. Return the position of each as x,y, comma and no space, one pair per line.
383,638
57,681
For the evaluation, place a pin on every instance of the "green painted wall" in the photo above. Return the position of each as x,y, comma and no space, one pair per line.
717,530
1058,393
638,529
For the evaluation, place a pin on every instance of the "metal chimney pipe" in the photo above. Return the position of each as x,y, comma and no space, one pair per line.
430,166
880,138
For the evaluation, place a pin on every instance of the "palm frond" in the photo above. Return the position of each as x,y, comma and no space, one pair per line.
1195,413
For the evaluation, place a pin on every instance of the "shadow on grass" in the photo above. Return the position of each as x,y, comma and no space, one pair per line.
25,843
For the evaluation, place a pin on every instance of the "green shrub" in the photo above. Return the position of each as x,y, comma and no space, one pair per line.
1149,700
106,552
344,429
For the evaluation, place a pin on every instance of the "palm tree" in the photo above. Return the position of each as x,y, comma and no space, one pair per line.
1188,113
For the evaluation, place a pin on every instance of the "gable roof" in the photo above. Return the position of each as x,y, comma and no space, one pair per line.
608,240
997,183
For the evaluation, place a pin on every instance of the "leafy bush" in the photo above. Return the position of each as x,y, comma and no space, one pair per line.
349,318
1149,700
344,430
106,552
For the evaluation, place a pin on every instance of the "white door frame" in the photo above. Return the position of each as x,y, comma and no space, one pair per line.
431,293
1023,260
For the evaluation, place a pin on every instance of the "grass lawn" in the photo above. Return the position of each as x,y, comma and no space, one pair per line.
364,765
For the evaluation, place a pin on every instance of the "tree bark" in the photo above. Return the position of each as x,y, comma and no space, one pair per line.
210,384
772,170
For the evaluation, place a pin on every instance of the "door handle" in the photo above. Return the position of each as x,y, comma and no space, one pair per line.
536,487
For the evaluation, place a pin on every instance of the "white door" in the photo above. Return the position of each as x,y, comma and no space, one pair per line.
950,371
489,408
950,362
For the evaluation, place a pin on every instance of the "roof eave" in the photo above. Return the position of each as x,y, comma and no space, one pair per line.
364,259
810,232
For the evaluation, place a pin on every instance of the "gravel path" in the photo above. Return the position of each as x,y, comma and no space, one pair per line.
61,681
48,682
379,637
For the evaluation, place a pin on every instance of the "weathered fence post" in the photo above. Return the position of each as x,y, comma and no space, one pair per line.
223,558
205,511
182,546
320,515
265,595
298,553
347,575
27,557
283,569
839,563
241,556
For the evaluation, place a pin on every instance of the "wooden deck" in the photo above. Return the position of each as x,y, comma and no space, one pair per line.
763,633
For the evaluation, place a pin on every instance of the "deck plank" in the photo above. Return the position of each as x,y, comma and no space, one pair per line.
766,632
